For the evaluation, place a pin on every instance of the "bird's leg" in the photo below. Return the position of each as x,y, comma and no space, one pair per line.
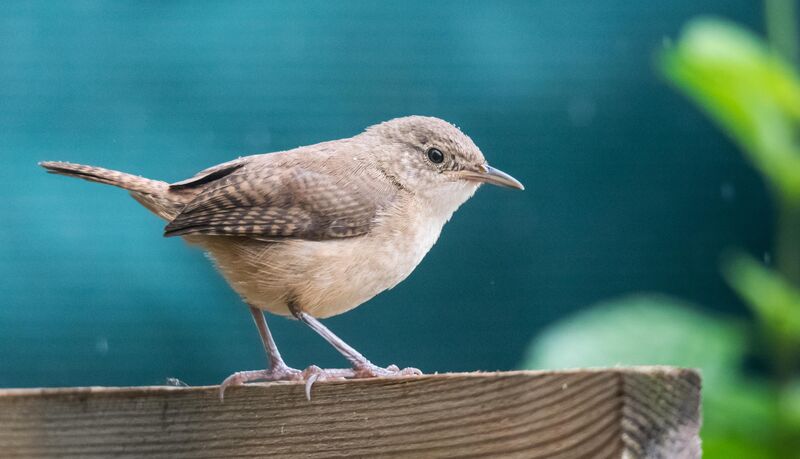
274,355
277,371
362,367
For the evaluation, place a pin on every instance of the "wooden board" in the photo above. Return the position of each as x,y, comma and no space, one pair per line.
651,412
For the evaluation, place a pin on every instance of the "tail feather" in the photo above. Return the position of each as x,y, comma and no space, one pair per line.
98,174
153,194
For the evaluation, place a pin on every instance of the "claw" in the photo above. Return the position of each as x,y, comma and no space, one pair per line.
279,373
314,373
411,371
310,382
371,371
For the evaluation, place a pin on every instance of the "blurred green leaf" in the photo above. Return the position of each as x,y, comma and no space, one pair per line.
641,330
774,300
741,416
747,89
731,447
790,400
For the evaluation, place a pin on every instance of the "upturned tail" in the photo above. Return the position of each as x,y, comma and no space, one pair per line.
153,194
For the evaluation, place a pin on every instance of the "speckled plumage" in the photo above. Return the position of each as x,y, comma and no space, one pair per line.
318,230
328,225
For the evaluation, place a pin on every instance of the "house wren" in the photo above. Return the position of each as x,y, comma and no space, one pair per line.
316,231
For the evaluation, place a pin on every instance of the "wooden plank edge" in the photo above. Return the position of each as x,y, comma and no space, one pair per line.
657,370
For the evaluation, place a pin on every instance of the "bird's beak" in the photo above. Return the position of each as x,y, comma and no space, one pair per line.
488,174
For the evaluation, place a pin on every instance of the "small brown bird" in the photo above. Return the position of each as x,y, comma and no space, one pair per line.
316,231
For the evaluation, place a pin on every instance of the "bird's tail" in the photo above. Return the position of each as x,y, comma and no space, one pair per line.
98,174
153,194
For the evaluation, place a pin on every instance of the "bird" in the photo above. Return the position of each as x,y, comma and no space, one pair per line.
316,231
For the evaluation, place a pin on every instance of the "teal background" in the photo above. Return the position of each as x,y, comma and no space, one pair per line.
629,187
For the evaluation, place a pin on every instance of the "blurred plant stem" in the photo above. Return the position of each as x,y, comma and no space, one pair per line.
780,16
787,241
776,304
782,29
781,23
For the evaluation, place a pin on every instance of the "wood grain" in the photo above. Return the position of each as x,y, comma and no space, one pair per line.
651,412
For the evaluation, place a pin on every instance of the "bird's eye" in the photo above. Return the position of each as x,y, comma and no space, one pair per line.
435,155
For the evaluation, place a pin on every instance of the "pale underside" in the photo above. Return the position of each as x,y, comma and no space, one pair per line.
323,278
341,243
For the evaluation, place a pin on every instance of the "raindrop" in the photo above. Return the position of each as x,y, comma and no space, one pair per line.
101,345
727,191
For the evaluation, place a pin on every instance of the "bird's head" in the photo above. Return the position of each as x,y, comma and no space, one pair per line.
434,159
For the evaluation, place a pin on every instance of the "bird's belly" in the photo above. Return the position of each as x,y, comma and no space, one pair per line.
324,278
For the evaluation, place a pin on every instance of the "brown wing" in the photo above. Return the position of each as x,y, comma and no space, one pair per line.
280,202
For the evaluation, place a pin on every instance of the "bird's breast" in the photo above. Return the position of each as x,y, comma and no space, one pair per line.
329,277
348,272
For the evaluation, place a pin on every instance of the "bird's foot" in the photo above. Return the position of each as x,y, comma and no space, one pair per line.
314,373
277,373
368,370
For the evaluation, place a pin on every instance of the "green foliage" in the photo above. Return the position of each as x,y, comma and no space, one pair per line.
641,330
742,416
774,301
753,94
748,90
